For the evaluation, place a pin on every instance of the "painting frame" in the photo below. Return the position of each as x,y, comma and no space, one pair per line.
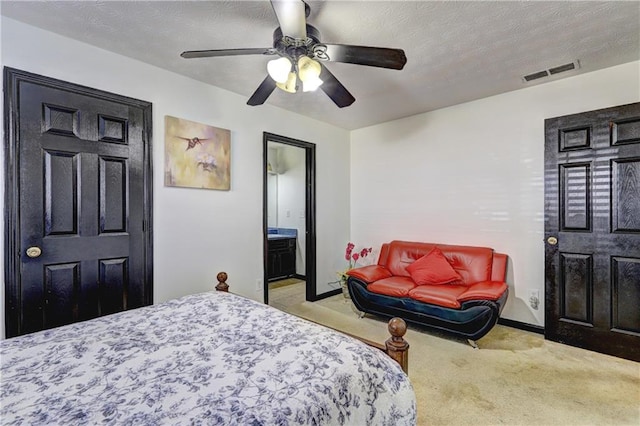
197,155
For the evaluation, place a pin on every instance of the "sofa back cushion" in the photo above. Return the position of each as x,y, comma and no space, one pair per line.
472,263
433,269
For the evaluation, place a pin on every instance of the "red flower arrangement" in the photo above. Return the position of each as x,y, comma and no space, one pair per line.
352,257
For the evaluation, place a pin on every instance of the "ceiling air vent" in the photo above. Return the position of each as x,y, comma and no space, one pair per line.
535,75
562,68
552,71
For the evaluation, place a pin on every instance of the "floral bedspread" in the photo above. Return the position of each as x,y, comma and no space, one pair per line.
207,359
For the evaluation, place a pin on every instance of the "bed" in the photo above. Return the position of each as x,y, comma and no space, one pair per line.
211,358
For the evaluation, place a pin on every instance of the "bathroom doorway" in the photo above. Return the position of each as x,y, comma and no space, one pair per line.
289,219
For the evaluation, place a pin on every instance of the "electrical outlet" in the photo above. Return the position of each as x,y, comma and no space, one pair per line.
534,299
259,284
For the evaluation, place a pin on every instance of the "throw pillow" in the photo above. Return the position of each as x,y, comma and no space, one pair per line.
433,268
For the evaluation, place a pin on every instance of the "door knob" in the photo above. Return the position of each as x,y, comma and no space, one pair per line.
34,251
552,241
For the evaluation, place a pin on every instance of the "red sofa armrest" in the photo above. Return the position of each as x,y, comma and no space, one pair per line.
483,290
370,273
499,267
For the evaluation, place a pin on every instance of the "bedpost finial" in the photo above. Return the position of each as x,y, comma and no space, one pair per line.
222,282
397,328
397,347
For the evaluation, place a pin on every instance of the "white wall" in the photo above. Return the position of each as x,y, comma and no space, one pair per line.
292,196
472,174
198,233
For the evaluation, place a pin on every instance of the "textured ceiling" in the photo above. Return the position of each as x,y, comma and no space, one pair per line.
457,51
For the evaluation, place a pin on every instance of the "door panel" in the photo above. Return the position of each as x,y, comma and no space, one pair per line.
592,207
62,284
626,273
113,194
60,193
577,287
79,160
114,282
626,195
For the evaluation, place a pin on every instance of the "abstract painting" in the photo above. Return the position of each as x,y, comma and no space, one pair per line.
196,155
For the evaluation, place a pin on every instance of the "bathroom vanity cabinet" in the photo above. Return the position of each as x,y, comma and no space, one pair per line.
281,256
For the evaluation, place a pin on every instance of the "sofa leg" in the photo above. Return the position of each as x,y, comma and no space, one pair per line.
473,344
357,311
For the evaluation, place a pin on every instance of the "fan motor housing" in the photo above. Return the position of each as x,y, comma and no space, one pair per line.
294,47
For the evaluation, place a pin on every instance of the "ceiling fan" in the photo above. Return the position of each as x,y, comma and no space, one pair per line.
301,56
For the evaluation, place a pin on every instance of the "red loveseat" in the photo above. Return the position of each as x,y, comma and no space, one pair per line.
457,289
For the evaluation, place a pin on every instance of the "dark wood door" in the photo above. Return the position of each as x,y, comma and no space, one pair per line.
79,188
592,209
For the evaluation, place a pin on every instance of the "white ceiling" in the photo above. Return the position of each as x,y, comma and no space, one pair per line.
456,51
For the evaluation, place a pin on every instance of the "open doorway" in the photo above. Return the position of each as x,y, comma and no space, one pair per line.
289,219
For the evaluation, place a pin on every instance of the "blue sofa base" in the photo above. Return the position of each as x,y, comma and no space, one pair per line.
473,320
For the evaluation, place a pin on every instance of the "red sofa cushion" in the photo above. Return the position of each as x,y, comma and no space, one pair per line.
442,295
392,286
370,273
484,290
433,268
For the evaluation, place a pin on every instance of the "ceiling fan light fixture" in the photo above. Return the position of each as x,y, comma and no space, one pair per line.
290,84
279,69
309,73
297,46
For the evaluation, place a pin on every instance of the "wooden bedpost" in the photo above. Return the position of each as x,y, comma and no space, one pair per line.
222,282
397,347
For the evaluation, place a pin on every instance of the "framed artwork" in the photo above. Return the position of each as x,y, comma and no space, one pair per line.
196,155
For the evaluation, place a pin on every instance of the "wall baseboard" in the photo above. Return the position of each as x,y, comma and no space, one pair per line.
328,294
521,325
299,276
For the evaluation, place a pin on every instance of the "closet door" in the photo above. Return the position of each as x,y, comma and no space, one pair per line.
79,230
592,230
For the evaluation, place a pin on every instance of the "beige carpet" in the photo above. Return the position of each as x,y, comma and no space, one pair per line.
284,283
515,378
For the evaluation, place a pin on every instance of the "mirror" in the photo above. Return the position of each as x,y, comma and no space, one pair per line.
286,196
289,204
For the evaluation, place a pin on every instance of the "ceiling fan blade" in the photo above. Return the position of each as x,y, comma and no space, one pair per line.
291,17
362,55
334,89
263,91
189,54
